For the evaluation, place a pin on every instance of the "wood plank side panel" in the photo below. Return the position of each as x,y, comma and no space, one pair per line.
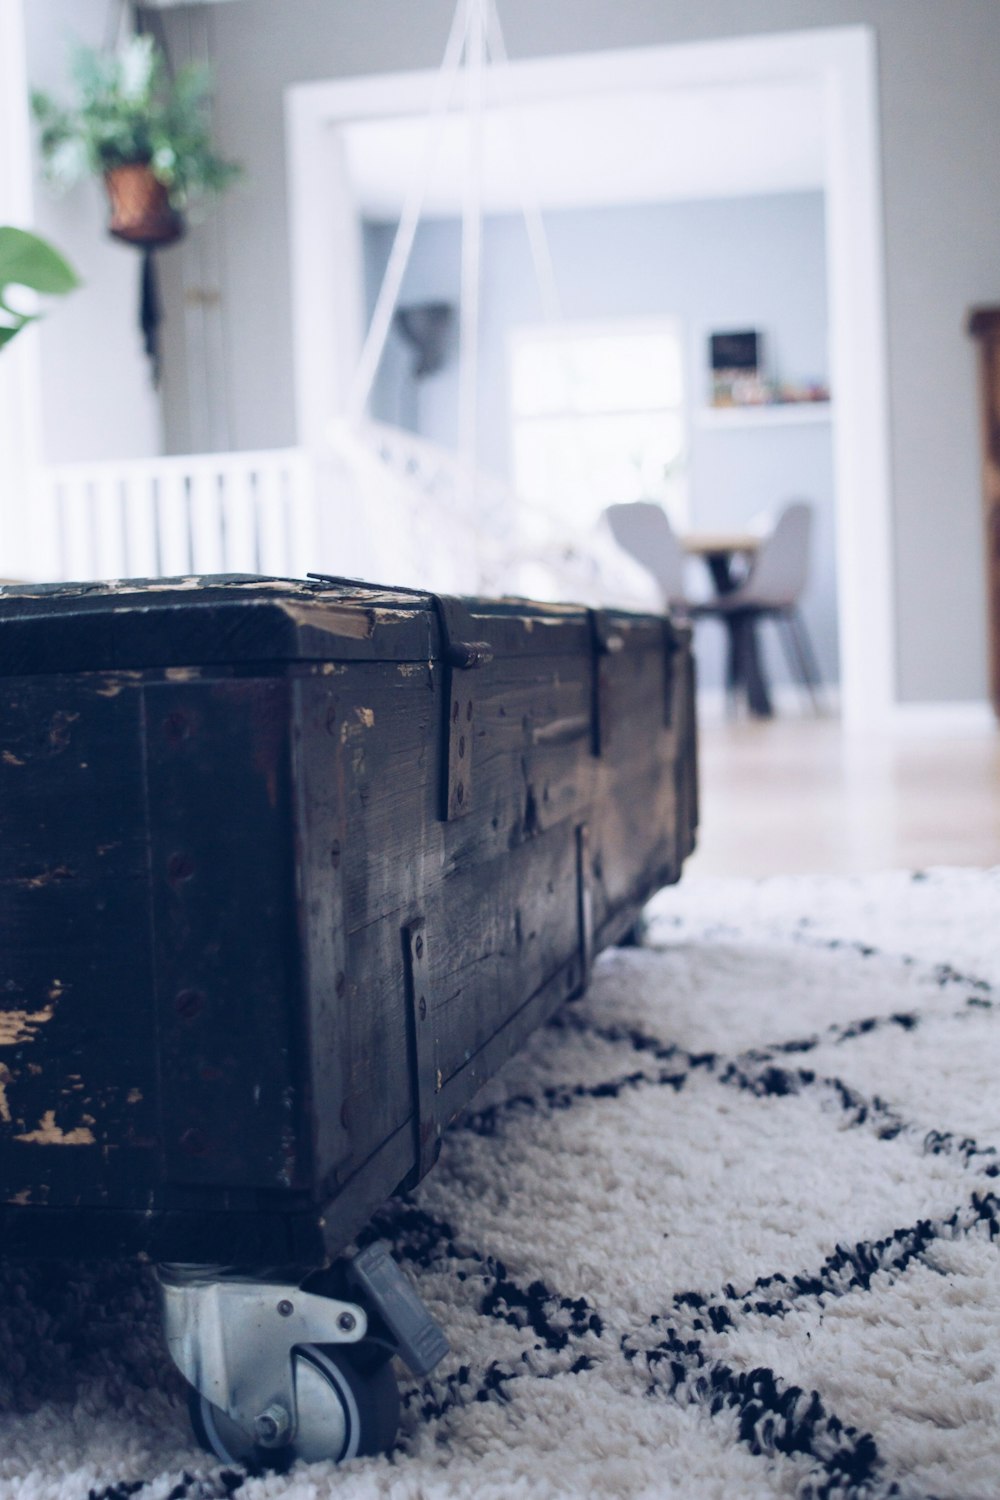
323,853
495,892
226,946
78,1107
367,763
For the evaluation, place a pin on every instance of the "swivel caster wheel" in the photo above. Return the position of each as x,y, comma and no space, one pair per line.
279,1372
342,1413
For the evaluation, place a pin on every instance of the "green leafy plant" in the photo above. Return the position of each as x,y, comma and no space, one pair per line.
130,111
27,261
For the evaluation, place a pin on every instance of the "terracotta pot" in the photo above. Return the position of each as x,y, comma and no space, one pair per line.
140,209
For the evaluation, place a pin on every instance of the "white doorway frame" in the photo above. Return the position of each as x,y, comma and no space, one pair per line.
20,370
327,311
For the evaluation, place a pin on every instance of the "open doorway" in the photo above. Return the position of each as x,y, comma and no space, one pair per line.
823,81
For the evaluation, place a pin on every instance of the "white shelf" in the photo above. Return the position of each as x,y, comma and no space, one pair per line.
778,414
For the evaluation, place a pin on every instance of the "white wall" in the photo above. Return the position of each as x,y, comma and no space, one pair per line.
97,399
939,63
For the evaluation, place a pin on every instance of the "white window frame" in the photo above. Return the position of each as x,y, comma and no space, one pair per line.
597,329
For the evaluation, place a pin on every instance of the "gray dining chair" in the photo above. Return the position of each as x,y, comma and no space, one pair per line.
773,590
641,529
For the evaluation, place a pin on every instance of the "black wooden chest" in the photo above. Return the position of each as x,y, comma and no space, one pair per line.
287,870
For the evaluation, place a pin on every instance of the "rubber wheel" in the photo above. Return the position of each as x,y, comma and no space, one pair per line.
635,937
344,1412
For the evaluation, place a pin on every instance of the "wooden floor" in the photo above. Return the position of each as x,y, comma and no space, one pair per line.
792,796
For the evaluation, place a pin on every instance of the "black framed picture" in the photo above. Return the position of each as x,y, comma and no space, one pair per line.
742,350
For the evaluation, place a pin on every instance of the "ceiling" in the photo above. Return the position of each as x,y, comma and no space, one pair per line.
643,147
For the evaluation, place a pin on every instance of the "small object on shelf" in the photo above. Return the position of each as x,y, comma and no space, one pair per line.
735,360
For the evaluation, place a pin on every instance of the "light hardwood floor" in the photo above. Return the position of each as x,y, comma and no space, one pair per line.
792,796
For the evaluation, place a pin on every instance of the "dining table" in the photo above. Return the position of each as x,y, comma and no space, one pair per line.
728,555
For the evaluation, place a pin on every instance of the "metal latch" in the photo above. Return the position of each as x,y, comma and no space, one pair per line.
584,902
460,653
671,647
606,639
425,1074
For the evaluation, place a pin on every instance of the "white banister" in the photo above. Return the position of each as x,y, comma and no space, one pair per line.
380,504
162,517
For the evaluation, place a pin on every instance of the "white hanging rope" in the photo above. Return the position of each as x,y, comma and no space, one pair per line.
476,39
472,242
475,35
538,240
402,245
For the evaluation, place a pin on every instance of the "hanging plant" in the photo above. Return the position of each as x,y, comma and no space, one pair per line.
146,134
28,261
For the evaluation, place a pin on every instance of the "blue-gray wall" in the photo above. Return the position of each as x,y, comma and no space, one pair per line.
744,262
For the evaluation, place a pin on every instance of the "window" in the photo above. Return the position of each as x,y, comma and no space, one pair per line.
598,419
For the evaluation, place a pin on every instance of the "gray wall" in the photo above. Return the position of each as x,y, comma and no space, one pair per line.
97,396
939,67
745,262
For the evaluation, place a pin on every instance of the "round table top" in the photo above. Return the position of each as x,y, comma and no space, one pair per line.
717,543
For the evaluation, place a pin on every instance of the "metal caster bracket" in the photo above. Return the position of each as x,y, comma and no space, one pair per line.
233,1339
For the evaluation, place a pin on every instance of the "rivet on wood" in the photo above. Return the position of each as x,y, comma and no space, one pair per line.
460,793
461,746
419,945
180,867
468,712
189,1003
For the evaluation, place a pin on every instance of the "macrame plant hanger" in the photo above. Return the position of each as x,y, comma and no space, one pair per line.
475,51
133,220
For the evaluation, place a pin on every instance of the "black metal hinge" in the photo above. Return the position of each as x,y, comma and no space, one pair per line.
460,654
606,640
425,1073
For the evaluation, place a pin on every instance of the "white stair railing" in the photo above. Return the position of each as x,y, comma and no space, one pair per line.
381,504
161,517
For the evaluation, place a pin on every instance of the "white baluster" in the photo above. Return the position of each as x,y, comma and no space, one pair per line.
238,496
272,523
77,528
206,520
173,522
141,552
303,539
109,527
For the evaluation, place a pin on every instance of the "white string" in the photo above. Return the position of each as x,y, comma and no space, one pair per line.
402,245
472,243
538,240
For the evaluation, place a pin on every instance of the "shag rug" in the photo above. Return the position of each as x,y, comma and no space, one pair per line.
729,1227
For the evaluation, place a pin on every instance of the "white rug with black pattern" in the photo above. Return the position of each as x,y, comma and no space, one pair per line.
729,1227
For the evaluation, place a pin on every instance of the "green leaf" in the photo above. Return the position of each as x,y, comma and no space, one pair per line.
26,260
